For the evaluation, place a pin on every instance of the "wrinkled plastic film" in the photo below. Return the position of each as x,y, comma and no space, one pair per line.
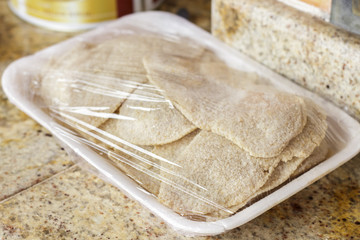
201,128
103,92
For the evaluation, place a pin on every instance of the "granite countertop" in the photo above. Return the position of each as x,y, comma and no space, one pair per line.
44,195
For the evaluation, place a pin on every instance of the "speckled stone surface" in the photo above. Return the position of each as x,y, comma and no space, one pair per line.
303,48
28,156
76,204
65,202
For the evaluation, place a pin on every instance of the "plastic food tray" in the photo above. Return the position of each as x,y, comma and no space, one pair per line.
16,81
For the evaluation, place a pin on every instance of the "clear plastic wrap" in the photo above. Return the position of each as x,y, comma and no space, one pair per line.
201,135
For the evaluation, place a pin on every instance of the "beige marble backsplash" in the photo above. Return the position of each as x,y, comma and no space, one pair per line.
303,48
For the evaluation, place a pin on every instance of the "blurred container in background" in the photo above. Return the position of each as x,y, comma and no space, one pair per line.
74,15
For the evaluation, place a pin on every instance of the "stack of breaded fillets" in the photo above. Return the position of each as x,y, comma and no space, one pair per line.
201,136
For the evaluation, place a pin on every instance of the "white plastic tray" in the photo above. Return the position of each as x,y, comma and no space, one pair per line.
18,75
